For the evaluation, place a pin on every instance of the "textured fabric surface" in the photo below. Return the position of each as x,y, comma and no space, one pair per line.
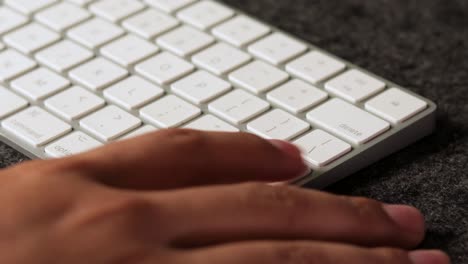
420,44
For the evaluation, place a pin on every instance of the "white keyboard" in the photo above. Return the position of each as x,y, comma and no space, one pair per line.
78,74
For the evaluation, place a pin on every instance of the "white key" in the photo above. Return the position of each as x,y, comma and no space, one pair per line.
129,50
238,107
200,87
241,31
63,56
354,86
297,96
13,64
81,2
185,40
139,132
109,123
321,148
164,68
95,32
28,7
211,123
169,5
258,77
39,84
116,10
169,111
150,23
315,67
347,121
278,124
10,20
205,14
132,93
396,106
73,144
10,103
221,58
35,126
62,16
277,48
74,103
31,38
98,74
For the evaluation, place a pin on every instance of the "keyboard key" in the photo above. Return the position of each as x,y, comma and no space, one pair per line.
63,56
132,93
241,31
74,103
150,23
39,84
129,50
164,68
200,87
109,123
258,77
13,64
98,74
139,132
277,48
185,40
396,106
10,103
116,10
278,124
205,14
62,16
169,111
73,144
169,6
10,20
35,126
321,148
211,123
31,38
347,121
28,7
238,107
95,32
354,86
221,59
297,96
315,67
80,2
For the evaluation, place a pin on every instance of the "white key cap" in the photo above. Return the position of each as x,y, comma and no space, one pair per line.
28,7
98,74
139,132
354,86
74,103
278,124
277,48
109,123
315,67
185,40
35,126
150,23
129,50
205,14
347,121
396,106
200,87
321,148
169,5
31,38
164,68
221,59
39,84
73,144
10,103
297,96
211,123
95,32
63,56
62,16
10,20
238,107
132,93
81,2
13,64
241,31
116,10
169,111
258,77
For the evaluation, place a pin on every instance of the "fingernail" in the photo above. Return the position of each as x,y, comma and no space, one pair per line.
288,148
408,218
429,257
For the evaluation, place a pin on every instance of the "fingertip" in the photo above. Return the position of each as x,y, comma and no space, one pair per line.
409,219
429,257
295,162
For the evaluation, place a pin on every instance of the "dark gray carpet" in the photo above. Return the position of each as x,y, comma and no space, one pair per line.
421,44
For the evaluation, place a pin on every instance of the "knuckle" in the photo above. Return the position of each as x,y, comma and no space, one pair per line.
187,137
392,255
370,213
297,254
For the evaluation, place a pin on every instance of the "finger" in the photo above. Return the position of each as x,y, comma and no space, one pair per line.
180,158
259,211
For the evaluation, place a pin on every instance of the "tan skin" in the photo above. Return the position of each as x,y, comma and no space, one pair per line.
181,196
